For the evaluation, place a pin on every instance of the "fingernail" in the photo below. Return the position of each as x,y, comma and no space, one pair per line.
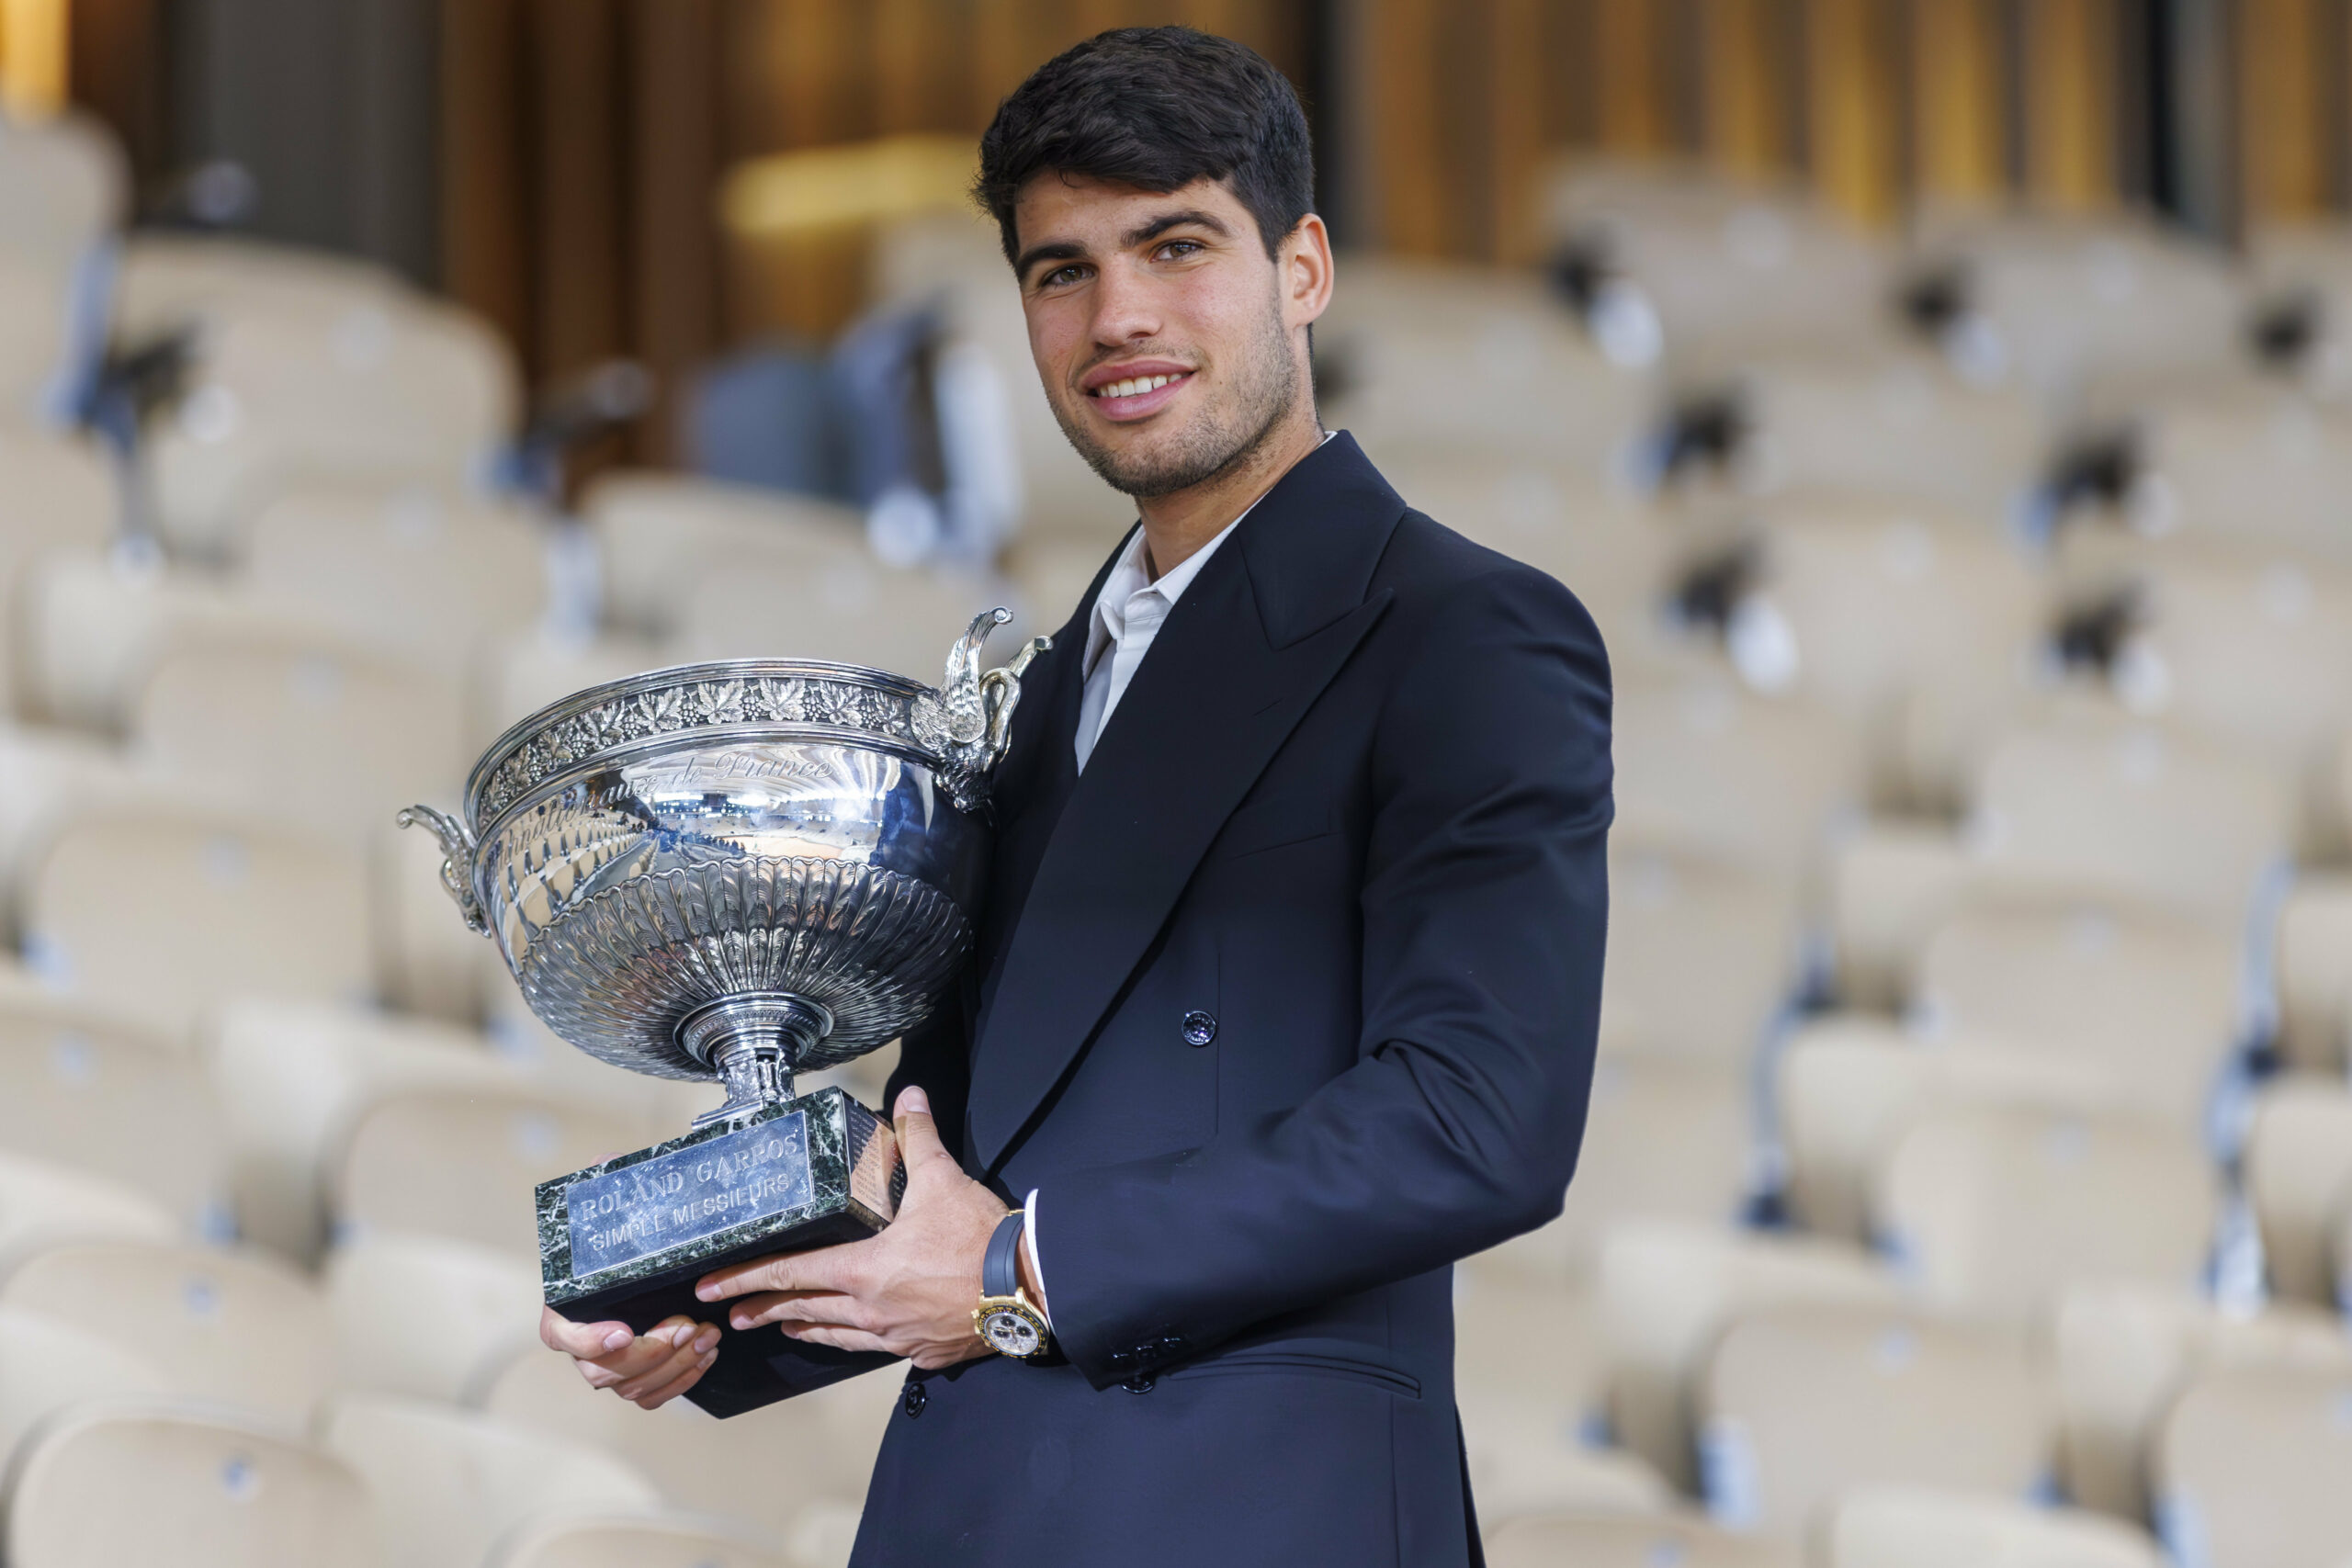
708,1341
912,1101
708,1359
681,1334
706,1292
619,1339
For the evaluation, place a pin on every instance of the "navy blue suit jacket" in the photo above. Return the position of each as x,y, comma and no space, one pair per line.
1353,810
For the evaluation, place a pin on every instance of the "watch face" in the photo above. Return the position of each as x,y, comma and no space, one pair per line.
1011,1333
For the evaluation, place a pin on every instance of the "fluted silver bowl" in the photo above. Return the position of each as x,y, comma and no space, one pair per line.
735,871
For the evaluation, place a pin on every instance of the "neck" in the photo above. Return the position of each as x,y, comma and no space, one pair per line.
1177,524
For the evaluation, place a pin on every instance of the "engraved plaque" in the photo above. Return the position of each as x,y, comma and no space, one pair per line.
689,1193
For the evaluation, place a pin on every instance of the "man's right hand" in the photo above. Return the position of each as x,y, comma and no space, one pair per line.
649,1370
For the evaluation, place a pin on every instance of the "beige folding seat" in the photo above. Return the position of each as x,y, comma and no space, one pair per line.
45,773
1897,613
1801,1405
698,1461
2313,944
402,392
449,1484
1849,1085
44,1204
1667,1291
68,186
60,499
334,737
1911,1527
1628,1541
1537,1340
2249,1470
293,1079
659,1108
2242,462
1704,767
463,1163
237,1328
661,536
1051,573
1993,1208
855,612
1524,1457
428,961
165,280
1898,425
2130,812
2122,1353
165,911
430,579
1665,1140
2298,1174
82,1088
686,1542
1891,883
524,673
484,1304
1675,916
161,1483
2147,1000
49,1365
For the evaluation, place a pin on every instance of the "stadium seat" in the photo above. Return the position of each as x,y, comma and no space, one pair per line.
1801,1405
483,1478
294,1078
60,499
1667,1140
158,1482
68,186
2121,1354
49,1366
428,961
854,612
45,773
1849,1085
482,1303
661,536
683,1542
1673,915
2314,962
2249,1469
2298,1174
1991,1209
1905,1527
1525,1456
2231,463
234,1328
2148,1002
524,673
1628,1541
1534,1339
1891,883
1669,1291
165,911
82,1088
168,279
43,1204
1898,426
462,1163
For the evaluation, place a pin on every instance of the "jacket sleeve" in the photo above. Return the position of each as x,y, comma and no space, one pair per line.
1485,908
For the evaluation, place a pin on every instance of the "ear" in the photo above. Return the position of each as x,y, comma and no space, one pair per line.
1304,261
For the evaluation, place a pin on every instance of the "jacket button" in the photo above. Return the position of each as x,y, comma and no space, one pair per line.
1200,1028
1139,1383
914,1399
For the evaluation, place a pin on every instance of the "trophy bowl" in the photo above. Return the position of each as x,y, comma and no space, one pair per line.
732,872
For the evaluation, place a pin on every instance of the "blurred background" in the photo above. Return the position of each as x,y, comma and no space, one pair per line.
1942,405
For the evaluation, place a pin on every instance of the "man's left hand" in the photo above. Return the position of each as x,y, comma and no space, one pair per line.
908,1290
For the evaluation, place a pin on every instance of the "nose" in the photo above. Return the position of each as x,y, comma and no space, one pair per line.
1127,306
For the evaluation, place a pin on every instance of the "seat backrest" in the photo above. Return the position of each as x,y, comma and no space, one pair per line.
856,612
1801,1404
2148,1001
2249,1470
449,1483
82,1088
234,1327
2315,948
158,1483
1667,1293
48,1364
1538,1337
1671,916
44,1204
683,1542
60,497
463,1165
1910,1526
2299,1173
1892,426
1602,1539
165,913
661,535
2250,467
2122,1353
1992,1208
482,1302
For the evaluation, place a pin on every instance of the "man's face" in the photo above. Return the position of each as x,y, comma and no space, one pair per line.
1162,331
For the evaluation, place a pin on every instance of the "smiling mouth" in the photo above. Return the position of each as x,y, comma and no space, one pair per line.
1137,387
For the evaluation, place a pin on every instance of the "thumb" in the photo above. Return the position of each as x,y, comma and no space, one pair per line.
919,1143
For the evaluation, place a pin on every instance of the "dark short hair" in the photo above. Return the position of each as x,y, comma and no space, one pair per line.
1155,108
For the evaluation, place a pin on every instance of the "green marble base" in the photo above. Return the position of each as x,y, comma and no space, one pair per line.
626,1240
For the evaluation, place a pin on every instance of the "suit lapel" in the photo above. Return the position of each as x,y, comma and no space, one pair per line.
1246,651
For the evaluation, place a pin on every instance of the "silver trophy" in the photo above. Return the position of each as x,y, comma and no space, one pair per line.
732,873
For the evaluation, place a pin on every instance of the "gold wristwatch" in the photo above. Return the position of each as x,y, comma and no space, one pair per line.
1005,1318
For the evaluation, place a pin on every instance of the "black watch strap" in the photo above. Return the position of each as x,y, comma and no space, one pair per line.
999,1266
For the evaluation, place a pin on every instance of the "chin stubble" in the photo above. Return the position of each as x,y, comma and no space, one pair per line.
1210,445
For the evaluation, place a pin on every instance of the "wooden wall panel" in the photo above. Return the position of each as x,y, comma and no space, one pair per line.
2068,51
1854,133
1959,141
1632,75
1745,87
2284,126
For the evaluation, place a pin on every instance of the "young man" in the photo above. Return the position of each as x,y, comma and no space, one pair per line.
1289,967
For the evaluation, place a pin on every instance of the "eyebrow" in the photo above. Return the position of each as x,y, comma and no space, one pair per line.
1069,250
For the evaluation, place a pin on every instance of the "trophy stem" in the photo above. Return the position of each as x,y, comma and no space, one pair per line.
754,1043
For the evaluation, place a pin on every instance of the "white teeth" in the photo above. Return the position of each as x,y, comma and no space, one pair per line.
1133,386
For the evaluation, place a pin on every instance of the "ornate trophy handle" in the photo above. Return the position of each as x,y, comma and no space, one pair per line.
979,709
457,865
